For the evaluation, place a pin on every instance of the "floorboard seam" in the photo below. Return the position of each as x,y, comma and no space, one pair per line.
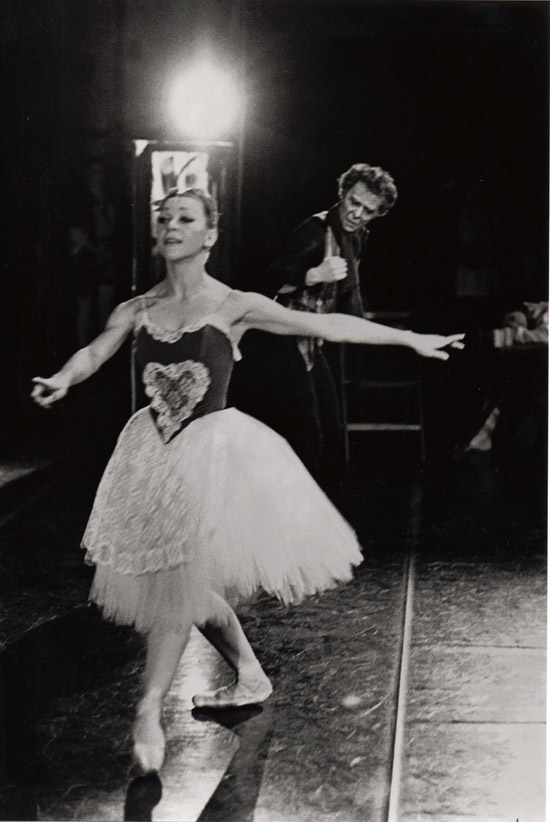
399,732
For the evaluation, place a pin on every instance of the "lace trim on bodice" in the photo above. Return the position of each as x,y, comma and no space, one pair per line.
165,336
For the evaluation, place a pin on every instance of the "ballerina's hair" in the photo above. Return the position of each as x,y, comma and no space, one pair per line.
375,179
208,203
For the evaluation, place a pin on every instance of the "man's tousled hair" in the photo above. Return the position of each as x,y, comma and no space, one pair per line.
377,181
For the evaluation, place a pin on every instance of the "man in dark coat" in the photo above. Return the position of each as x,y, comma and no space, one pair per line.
318,271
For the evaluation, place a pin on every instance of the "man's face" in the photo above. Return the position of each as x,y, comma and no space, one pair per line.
358,207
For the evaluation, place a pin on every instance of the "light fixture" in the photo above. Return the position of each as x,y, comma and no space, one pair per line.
204,102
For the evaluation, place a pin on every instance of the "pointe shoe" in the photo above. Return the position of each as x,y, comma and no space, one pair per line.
149,758
149,741
236,695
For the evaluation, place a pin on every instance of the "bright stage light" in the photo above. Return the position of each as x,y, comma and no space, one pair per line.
204,102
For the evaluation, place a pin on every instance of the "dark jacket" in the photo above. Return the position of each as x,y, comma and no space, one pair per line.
304,249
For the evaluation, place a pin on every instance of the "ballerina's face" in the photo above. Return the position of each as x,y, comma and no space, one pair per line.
182,228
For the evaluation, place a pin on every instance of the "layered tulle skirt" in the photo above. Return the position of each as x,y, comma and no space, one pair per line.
225,508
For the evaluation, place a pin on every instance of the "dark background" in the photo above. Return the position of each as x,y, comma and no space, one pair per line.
451,98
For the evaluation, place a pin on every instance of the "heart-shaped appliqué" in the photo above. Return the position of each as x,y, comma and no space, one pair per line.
175,390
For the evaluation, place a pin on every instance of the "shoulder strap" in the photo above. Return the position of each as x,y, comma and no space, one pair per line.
140,314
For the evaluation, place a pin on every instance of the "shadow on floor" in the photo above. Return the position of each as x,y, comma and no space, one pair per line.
66,696
143,795
235,798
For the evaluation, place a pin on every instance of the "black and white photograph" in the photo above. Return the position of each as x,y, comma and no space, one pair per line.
273,428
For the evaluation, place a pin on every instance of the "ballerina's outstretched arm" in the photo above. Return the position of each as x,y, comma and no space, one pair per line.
249,310
86,361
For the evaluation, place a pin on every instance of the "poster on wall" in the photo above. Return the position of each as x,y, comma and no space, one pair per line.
178,170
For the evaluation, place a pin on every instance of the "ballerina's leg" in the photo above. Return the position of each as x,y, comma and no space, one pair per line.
225,633
164,650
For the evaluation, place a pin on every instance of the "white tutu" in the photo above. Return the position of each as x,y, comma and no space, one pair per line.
225,507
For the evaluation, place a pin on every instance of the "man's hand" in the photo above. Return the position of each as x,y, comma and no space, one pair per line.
330,271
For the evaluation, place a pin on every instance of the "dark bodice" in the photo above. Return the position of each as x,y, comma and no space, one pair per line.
185,373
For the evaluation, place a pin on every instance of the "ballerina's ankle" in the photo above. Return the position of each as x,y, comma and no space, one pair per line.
150,703
251,672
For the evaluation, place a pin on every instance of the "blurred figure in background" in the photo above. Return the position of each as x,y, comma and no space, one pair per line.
103,227
84,272
516,400
92,236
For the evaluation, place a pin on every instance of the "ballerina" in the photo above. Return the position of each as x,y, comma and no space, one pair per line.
201,505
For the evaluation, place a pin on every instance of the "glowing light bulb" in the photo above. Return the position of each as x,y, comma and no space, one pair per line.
204,102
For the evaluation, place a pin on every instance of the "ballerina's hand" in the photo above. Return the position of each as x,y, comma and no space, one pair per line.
47,391
431,345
